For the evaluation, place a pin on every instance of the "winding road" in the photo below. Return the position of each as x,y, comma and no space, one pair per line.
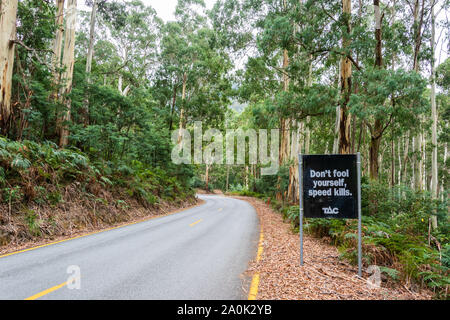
197,254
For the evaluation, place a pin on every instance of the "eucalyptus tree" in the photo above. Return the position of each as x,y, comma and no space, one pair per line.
7,36
68,62
57,44
126,46
33,80
195,66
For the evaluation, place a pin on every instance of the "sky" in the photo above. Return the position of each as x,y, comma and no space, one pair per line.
166,8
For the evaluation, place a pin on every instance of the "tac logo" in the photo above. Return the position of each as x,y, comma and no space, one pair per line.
330,210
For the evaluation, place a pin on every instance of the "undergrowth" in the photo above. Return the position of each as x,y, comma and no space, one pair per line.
36,175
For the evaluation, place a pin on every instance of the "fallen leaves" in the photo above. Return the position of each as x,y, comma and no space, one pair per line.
323,277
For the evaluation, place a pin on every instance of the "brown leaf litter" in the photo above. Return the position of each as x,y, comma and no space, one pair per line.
324,275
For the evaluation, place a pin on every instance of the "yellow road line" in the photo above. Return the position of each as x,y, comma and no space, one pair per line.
97,232
45,292
220,209
193,224
254,287
255,281
260,248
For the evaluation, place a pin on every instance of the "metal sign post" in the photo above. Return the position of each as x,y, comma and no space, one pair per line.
330,188
358,168
300,167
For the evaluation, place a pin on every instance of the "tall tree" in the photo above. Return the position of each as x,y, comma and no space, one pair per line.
8,12
346,80
90,52
418,28
57,43
434,163
377,130
68,62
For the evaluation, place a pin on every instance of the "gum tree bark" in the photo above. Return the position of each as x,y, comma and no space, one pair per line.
419,15
346,83
57,43
285,123
183,98
90,55
8,14
68,62
378,127
434,164
91,38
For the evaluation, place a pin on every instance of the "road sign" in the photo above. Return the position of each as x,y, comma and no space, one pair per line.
330,188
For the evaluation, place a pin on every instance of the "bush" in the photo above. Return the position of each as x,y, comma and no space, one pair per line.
39,172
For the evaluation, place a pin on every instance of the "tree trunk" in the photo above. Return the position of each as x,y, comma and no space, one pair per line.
183,97
419,161
57,45
207,178
293,190
418,14
375,143
174,100
227,186
434,164
91,38
285,124
337,131
413,163
378,127
8,15
308,119
378,35
68,64
405,158
346,83
392,163
399,174
90,55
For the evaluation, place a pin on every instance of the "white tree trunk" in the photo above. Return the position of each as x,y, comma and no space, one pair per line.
91,38
57,42
434,163
336,131
7,36
183,97
68,62
413,163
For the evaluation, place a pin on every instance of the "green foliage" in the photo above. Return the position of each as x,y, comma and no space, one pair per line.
45,165
33,222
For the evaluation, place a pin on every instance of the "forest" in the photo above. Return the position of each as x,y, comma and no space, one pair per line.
92,91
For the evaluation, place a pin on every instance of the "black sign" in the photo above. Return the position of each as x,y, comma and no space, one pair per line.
330,186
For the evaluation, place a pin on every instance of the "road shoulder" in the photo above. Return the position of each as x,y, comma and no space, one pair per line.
135,217
324,277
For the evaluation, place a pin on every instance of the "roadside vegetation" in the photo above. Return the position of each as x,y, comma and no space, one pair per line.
397,235
48,192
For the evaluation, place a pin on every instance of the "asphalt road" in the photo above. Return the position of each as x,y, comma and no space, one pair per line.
199,253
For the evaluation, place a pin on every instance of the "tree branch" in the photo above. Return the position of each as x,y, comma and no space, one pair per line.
34,51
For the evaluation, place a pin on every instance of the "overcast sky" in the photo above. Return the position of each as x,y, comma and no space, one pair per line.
166,8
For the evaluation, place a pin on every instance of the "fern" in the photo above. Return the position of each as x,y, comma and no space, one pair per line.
20,163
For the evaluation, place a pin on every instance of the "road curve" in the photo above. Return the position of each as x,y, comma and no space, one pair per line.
197,254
